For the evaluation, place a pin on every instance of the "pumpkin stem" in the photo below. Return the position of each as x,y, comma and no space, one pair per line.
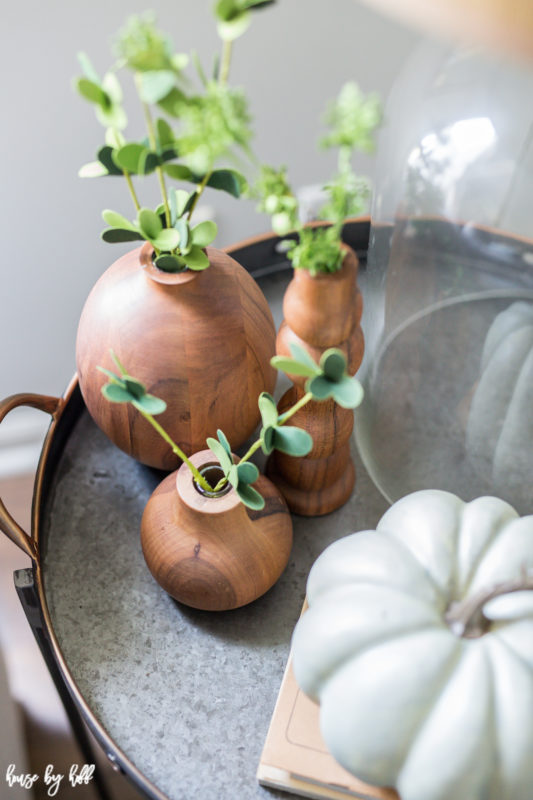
466,618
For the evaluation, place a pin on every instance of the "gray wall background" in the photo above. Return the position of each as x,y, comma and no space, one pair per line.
295,57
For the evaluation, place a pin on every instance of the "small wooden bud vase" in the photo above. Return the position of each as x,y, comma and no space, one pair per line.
211,552
320,312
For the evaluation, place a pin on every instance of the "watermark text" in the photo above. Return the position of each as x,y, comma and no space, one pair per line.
78,775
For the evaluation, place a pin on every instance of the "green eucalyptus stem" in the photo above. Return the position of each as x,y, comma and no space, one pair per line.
223,74
257,444
132,190
225,61
163,186
199,478
344,158
249,453
153,145
199,189
296,407
149,125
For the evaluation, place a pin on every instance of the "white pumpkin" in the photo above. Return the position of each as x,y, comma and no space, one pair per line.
499,436
407,698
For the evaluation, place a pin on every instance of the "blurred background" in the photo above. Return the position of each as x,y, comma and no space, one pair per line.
292,60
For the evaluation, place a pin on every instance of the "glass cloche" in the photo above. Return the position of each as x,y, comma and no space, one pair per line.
448,321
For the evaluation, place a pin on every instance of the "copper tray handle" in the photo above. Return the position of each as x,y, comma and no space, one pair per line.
51,405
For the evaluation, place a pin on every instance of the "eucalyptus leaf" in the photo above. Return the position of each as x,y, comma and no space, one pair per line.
183,199
221,454
173,102
226,10
267,434
112,87
293,367
229,31
178,172
111,375
134,387
250,497
149,223
105,157
255,4
292,440
115,393
170,263
168,154
92,92
173,208
155,85
227,180
348,393
128,156
189,202
150,404
224,441
165,134
203,234
267,409
333,364
233,476
116,235
196,259
168,239
148,162
247,472
320,387
182,227
94,169
116,220
300,354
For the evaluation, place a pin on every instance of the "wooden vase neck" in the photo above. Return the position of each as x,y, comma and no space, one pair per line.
226,503
159,275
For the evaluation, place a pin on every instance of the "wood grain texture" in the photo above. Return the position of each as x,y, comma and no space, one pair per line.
214,553
201,341
320,312
321,309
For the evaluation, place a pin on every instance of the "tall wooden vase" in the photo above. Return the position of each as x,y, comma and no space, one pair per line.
202,341
320,312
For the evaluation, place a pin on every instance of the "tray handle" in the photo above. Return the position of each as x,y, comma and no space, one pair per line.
50,405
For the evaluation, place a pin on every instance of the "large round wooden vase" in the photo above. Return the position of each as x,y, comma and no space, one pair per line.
212,552
320,312
202,341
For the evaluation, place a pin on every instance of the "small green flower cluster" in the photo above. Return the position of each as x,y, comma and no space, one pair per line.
352,119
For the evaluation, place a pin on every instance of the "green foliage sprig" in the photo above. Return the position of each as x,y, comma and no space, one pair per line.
213,120
327,379
352,119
